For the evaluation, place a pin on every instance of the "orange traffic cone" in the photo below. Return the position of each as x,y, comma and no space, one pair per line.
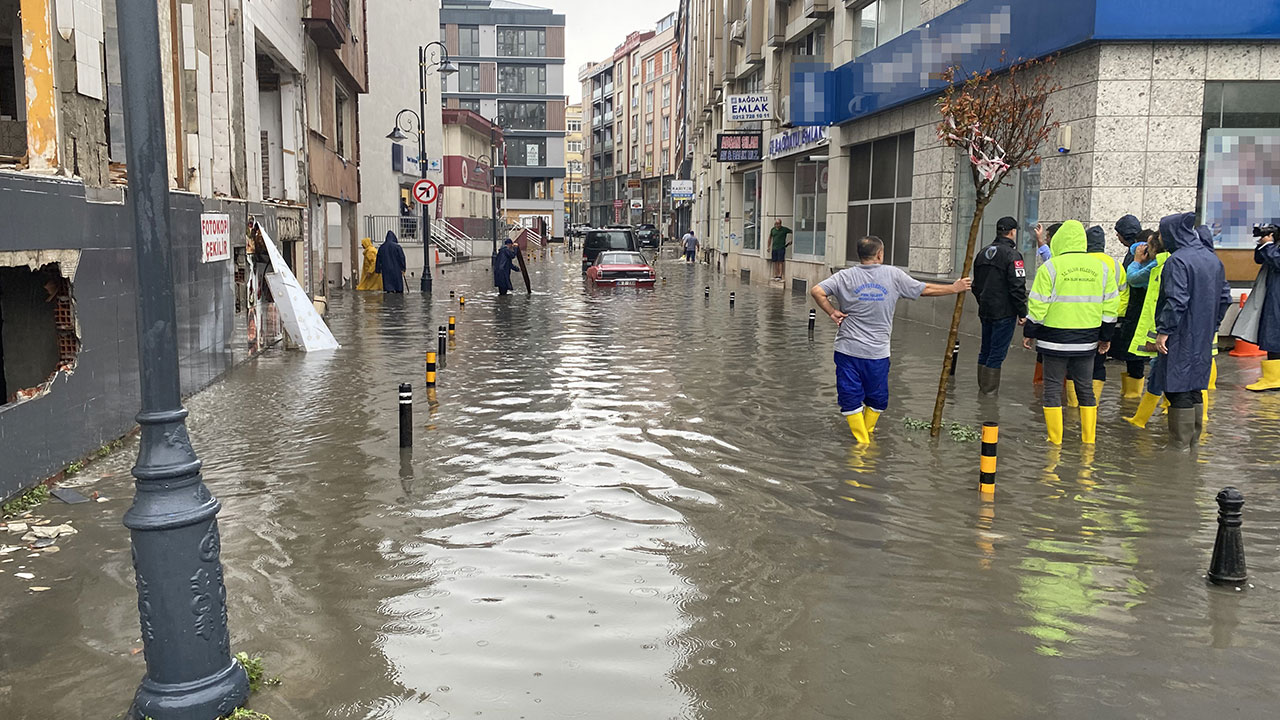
1242,348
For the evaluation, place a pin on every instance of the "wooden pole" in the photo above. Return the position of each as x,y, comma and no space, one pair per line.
979,207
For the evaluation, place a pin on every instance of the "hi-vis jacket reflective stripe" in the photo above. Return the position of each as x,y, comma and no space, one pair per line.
1075,300
1121,278
1146,330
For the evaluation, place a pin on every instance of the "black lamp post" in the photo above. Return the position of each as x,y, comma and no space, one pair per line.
499,123
182,601
433,55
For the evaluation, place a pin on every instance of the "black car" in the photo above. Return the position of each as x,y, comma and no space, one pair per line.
648,235
607,239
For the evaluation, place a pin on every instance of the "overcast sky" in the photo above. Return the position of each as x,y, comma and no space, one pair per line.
595,27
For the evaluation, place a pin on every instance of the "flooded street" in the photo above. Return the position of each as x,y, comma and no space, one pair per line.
642,505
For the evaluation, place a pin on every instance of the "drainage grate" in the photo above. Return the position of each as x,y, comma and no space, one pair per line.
799,285
746,275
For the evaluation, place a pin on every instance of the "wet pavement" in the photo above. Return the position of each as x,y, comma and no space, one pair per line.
640,504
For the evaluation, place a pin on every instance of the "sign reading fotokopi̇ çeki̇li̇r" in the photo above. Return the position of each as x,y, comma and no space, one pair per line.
750,107
739,147
215,237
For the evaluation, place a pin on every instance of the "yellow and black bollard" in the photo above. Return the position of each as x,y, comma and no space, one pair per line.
431,369
987,466
462,301
453,324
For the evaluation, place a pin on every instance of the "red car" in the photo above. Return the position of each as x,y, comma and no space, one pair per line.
621,268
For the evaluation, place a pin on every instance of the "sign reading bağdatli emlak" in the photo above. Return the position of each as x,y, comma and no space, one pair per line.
739,147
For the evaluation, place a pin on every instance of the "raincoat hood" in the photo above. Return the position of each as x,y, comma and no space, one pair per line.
1096,239
391,237
1069,238
366,243
1128,227
1178,231
1206,235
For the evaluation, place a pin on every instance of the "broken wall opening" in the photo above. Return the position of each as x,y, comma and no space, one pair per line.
38,335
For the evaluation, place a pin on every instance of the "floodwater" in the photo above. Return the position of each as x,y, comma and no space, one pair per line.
640,504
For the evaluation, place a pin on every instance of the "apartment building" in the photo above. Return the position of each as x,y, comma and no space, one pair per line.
467,193
510,59
847,143
574,212
615,88
660,81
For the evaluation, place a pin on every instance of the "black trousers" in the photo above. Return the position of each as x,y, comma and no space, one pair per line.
1273,356
1136,368
1185,400
1100,367
1078,370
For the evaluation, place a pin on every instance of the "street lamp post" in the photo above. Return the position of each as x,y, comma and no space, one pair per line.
173,527
499,123
433,55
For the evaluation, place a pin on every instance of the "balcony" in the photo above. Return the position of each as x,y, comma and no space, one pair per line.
328,24
596,121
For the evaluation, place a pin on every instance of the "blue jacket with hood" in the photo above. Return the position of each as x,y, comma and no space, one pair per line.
1194,297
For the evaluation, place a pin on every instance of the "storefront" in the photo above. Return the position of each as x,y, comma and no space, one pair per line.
800,174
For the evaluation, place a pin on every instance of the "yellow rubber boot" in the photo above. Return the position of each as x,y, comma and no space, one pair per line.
1098,385
1132,387
858,426
870,418
1089,424
1146,409
1053,421
1213,375
1270,377
1069,392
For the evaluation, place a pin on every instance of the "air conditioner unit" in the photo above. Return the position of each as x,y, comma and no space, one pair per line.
784,111
738,32
706,163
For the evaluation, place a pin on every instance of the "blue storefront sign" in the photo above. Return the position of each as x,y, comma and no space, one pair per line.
797,140
993,34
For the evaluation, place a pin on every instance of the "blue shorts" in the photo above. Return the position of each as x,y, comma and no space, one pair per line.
862,383
779,255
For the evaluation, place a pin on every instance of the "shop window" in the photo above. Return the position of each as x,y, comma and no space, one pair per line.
809,224
884,20
880,196
750,211
1238,177
37,330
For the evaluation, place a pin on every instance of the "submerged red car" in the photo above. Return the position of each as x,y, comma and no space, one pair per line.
621,268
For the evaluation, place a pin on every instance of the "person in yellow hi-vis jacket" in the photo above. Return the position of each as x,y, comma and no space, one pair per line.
1071,316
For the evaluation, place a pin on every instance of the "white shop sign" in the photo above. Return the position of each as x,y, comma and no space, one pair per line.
215,237
749,108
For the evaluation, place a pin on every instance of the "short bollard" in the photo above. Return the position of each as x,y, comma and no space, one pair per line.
1227,566
813,320
462,300
955,357
706,293
443,337
453,324
732,297
450,294
406,415
987,465
432,369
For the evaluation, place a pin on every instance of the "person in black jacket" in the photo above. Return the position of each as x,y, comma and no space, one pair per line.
1000,284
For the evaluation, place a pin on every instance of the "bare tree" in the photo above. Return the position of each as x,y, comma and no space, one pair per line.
1001,121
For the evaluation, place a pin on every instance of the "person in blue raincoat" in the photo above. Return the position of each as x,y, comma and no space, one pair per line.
503,265
1194,297
391,264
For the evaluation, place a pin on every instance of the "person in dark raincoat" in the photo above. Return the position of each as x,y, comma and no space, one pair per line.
1267,254
1128,229
391,264
503,264
1194,297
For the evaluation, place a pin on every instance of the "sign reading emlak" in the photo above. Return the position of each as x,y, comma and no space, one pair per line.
215,237
750,107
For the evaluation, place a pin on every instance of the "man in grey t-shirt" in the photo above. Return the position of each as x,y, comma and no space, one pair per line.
866,296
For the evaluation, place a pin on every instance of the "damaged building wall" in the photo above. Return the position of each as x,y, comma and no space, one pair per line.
37,63
82,91
27,327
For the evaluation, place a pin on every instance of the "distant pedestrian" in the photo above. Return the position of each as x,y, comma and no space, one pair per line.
369,278
1071,317
1000,285
690,246
1266,299
861,301
391,264
1194,297
778,245
503,264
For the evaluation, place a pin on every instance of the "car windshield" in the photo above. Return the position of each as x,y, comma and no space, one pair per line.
608,240
622,258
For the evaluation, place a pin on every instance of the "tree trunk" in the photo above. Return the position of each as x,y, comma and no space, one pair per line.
974,228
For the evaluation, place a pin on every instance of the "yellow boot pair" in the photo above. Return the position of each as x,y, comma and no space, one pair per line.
1146,409
862,424
1088,424
1132,387
1270,377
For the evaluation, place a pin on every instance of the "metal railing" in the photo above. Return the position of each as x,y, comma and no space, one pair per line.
449,240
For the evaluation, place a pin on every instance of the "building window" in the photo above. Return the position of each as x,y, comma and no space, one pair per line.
812,45
666,94
648,131
526,152
880,196
472,105
635,67
468,78
750,210
574,126
522,42
469,41
648,69
523,79
340,121
524,115
648,100
666,127
648,163
884,20
666,61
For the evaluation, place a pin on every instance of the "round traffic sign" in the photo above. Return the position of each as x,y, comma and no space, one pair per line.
425,192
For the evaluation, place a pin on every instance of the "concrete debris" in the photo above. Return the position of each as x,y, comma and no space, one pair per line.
36,588
25,576
6,549
53,531
17,527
